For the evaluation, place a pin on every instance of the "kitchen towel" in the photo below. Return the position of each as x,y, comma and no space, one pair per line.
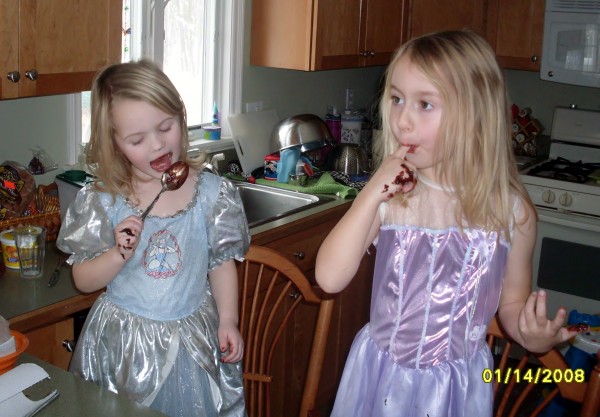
326,184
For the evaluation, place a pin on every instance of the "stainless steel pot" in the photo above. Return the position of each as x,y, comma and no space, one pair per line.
305,130
350,159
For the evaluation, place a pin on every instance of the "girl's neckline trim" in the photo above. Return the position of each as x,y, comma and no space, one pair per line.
190,205
435,185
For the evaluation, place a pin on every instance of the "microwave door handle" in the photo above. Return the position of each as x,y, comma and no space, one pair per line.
566,221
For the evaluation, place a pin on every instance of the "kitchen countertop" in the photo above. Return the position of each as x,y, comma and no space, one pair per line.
30,303
19,296
81,398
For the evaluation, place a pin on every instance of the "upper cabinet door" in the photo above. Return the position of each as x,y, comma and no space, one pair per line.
337,37
428,16
61,44
9,49
515,31
385,29
281,34
325,34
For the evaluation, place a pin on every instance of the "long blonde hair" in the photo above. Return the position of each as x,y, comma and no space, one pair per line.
474,144
143,81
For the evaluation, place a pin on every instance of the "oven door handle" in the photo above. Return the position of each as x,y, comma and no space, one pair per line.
567,220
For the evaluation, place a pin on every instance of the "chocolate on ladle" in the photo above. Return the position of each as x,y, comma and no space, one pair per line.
172,179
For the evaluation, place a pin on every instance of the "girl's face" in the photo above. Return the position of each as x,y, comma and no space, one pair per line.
148,137
415,114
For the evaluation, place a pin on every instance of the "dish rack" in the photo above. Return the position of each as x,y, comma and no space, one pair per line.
49,213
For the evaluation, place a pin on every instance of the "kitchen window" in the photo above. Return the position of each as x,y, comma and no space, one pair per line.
198,43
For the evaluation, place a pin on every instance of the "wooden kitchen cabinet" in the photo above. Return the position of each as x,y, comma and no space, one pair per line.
56,46
300,242
49,326
515,30
46,343
426,16
326,34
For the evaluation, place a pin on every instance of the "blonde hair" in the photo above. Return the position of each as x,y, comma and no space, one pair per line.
474,144
143,81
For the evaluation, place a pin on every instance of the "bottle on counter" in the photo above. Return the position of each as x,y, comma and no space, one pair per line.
334,122
351,127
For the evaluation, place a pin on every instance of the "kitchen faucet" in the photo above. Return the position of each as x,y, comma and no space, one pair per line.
213,165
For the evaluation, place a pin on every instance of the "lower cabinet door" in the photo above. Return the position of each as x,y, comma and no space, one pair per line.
46,343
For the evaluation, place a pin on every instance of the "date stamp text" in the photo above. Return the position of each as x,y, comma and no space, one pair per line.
535,376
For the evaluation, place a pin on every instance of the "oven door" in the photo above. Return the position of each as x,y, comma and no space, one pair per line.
566,261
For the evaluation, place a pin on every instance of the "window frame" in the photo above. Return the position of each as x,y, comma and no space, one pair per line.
228,47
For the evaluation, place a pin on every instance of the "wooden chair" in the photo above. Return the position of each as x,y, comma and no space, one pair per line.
272,289
512,396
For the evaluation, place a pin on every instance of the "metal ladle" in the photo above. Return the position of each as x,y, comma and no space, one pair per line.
172,179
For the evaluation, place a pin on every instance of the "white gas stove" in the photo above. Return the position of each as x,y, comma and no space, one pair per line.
565,191
565,181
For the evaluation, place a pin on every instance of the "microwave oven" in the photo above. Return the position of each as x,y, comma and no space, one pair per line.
571,43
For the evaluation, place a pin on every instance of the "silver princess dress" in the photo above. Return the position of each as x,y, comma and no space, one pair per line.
435,290
152,336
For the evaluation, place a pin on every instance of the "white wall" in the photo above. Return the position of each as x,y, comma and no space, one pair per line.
527,90
27,122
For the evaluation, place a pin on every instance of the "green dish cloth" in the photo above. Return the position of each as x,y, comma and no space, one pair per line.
326,184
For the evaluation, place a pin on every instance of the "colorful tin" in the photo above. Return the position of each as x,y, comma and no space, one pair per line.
271,162
10,256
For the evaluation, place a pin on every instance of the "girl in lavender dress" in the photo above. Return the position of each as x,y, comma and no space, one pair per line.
165,332
454,230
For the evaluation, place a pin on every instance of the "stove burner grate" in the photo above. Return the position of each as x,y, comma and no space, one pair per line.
564,170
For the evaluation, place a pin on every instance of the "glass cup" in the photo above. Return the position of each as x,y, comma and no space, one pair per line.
31,247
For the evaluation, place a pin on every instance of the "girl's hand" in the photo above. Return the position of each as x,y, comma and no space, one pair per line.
127,236
231,344
395,175
538,332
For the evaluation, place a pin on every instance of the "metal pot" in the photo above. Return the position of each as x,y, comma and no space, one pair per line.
350,159
305,130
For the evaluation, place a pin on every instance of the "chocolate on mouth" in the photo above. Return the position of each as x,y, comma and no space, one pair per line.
162,163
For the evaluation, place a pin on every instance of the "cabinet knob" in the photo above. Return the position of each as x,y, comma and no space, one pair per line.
371,53
364,53
69,345
299,255
550,73
534,58
14,76
32,74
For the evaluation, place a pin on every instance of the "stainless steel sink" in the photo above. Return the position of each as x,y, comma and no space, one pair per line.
263,204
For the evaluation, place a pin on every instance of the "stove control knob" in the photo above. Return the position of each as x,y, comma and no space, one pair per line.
548,196
565,199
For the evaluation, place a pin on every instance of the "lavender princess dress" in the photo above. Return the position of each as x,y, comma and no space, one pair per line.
435,290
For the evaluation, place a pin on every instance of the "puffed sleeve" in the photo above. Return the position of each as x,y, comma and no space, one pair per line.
86,230
228,233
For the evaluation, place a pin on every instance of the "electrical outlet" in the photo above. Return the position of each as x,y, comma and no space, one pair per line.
349,98
254,106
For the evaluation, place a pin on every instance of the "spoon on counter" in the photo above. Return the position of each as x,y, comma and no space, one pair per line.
56,274
172,179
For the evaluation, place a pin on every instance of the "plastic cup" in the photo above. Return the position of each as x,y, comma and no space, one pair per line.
31,246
